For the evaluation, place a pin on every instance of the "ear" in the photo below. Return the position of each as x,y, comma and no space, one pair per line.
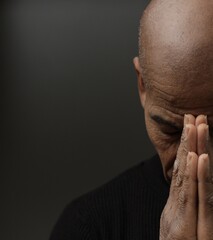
141,85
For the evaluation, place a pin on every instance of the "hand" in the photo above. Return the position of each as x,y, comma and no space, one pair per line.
179,217
188,213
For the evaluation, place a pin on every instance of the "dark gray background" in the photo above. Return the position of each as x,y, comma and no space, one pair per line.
71,116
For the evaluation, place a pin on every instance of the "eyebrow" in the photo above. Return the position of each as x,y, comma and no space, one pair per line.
163,121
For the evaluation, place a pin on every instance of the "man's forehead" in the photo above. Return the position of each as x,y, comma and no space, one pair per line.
183,83
181,100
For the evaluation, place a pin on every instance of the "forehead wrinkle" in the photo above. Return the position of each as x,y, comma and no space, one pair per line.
167,114
165,89
161,94
182,101
181,108
176,83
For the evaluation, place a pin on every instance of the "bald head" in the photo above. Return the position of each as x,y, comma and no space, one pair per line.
176,38
176,62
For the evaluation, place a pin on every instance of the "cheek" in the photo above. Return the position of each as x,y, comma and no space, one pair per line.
166,147
167,158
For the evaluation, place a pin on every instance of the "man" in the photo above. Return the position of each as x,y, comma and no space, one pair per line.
171,195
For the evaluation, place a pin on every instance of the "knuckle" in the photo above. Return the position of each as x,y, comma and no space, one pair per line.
179,180
183,150
182,139
183,199
175,172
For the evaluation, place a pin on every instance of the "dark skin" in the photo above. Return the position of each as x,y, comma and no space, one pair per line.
175,82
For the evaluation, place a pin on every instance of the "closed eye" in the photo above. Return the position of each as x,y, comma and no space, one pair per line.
169,126
172,132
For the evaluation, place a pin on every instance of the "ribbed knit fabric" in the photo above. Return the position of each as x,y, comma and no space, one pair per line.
128,207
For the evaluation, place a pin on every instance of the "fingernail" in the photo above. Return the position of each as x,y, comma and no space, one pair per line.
204,156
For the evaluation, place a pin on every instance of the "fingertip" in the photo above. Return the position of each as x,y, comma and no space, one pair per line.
202,126
203,158
192,155
191,166
201,119
189,119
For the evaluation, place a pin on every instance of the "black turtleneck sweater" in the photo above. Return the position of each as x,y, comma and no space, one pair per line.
128,207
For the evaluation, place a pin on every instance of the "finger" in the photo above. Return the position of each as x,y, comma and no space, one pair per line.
191,141
190,188
185,196
190,180
201,119
204,144
205,186
181,208
203,173
188,144
183,190
202,138
205,196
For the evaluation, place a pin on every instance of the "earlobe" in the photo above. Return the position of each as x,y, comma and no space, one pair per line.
141,85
